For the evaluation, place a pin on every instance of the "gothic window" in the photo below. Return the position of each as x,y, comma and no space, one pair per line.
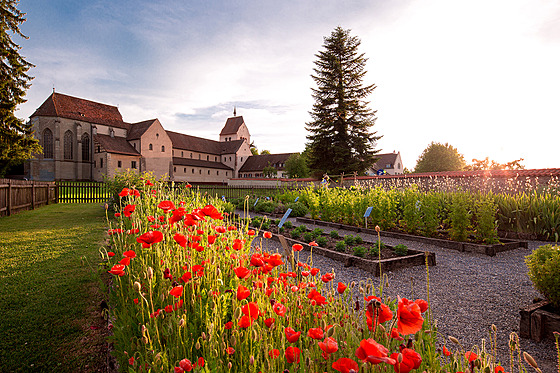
150,147
85,147
68,145
48,143
163,148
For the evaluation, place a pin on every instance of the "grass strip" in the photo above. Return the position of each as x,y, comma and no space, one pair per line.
50,289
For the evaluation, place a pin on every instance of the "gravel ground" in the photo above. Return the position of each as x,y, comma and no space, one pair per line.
468,293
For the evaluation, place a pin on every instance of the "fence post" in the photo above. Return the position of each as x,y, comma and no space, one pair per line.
33,195
56,186
9,205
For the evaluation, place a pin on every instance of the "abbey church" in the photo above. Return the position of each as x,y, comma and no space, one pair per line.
84,140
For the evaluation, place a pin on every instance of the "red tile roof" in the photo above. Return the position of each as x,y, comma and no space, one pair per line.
116,144
232,126
64,106
137,129
198,144
259,162
177,161
384,160
541,172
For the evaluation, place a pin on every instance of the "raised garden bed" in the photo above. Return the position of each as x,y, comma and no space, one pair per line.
539,321
389,261
490,250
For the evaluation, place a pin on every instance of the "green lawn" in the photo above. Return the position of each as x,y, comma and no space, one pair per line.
50,289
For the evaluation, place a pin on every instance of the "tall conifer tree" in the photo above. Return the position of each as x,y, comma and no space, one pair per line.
340,139
16,137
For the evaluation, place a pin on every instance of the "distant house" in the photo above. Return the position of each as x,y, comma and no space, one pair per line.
256,164
390,163
85,140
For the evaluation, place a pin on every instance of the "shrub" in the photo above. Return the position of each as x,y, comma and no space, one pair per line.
340,246
459,217
486,211
401,250
317,232
295,234
287,224
322,241
544,272
374,250
125,179
349,240
360,251
308,237
265,206
265,224
302,228
298,209
358,240
380,244
256,221
334,234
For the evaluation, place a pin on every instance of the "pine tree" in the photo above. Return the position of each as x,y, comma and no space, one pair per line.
16,137
340,139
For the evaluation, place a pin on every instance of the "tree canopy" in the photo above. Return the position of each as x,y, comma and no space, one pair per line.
296,165
487,164
440,157
340,139
16,137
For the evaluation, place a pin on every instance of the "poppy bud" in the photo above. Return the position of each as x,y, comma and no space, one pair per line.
382,328
487,370
197,345
454,340
361,290
427,332
529,359
204,337
232,340
377,229
150,273
137,286
157,357
254,334
409,344
330,332
251,360
182,322
352,284
106,206
229,365
145,340
399,357
368,287
494,328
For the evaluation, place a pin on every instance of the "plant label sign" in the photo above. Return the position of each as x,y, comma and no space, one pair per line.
223,198
256,202
296,199
283,220
368,212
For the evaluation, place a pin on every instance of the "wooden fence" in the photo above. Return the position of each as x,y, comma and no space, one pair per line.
19,195
230,192
81,192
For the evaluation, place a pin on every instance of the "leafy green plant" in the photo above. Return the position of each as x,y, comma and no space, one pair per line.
349,240
401,249
360,251
374,250
340,246
486,223
308,237
358,240
265,206
322,241
459,217
334,234
317,232
298,209
288,224
295,234
265,223
544,272
380,244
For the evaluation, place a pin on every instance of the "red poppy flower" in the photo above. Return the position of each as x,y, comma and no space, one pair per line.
212,212
268,322
228,325
314,271
446,351
267,235
292,354
237,244
382,314
125,192
499,369
221,229
410,360
409,320
291,335
211,239
166,206
242,272
470,356
274,353
315,333
125,261
297,247
167,274
186,277
245,321
422,304
341,288
180,239
201,362
327,277
177,216
313,243
230,350
251,232
242,292
279,309
128,210
111,254
256,260
130,254
373,352
118,269
329,345
395,335
275,260
177,291
251,309
345,365
149,238
131,360
117,214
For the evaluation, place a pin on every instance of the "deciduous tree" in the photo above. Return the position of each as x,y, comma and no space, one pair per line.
16,137
296,165
340,139
440,157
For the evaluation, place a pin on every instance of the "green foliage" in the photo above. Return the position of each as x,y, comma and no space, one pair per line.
360,251
295,234
296,166
460,216
265,206
358,240
17,143
317,232
410,206
126,179
349,240
288,224
308,237
302,227
298,209
544,272
340,246
401,249
430,208
440,157
486,222
270,171
322,241
334,234
340,138
374,250
380,244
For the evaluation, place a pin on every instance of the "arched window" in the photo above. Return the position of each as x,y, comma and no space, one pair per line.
150,147
163,148
68,145
48,143
85,147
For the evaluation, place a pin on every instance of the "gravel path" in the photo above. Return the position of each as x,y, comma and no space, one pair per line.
468,293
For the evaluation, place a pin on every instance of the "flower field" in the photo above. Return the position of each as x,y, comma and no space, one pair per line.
191,292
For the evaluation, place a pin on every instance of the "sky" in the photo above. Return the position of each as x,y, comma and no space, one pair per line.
481,75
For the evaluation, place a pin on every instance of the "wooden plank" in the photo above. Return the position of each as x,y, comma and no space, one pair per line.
9,203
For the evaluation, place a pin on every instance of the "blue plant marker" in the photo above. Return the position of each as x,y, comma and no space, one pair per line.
283,220
380,172
256,202
224,198
368,212
296,199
